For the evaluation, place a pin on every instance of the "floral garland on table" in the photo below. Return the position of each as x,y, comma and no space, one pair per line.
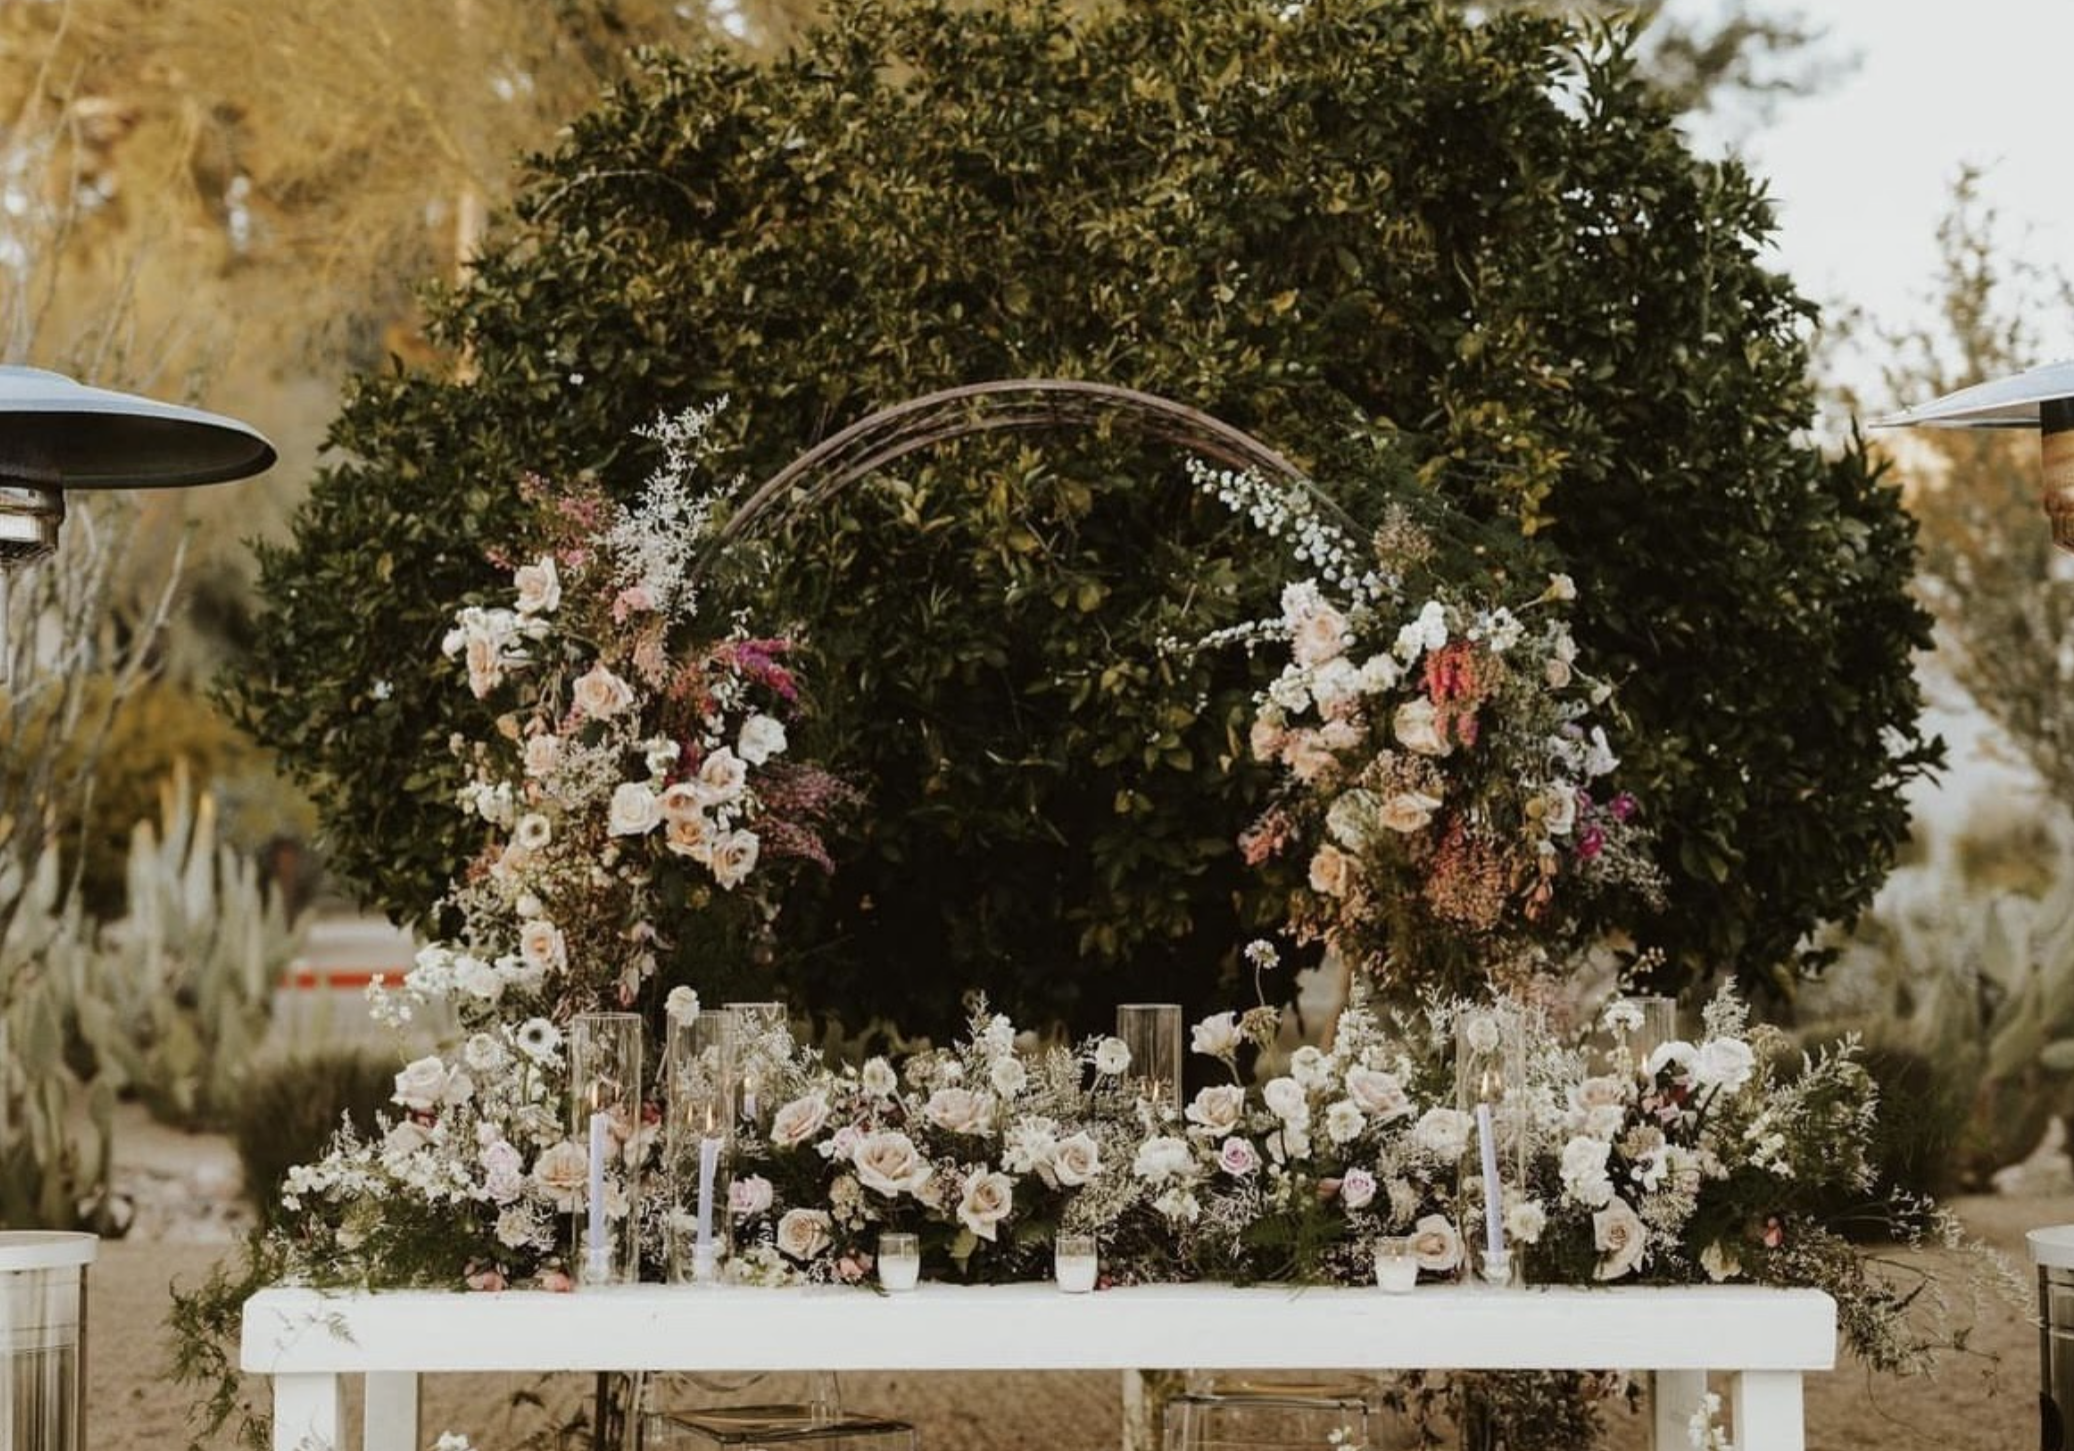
637,776
1444,776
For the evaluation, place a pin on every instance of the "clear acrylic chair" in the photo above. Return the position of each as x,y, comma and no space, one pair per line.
1226,1412
817,1420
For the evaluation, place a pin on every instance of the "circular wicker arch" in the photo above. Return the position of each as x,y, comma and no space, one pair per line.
1016,405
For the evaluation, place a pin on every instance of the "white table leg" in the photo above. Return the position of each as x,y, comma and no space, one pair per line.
1674,1396
306,1412
392,1411
1768,1411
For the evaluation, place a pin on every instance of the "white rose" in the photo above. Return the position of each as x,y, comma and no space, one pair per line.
1215,1110
889,1163
959,1110
562,1175
761,738
734,857
1332,872
1216,1036
600,694
635,810
1378,1094
543,754
1078,1160
1311,1068
1723,1063
987,1201
1416,724
1558,810
478,979
1285,1099
681,1006
690,836
1435,1244
749,1195
1409,811
803,1234
799,1120
1601,1091
1237,1158
1443,1132
1343,1122
1621,1240
539,587
1111,1056
1008,1076
1357,1189
540,945
680,802
721,778
422,1084
1161,1158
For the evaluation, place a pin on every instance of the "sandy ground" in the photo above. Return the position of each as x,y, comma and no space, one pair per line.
1983,1399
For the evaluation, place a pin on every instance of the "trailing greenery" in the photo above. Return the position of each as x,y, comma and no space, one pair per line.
1409,248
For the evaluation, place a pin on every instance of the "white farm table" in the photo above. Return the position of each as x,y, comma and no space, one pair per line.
1763,1339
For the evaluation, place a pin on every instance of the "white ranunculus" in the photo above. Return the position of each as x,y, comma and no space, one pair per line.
803,1234
543,754
889,1163
987,1200
1077,1161
959,1110
1216,1036
734,857
1621,1239
404,1139
721,778
1215,1110
1443,1132
1435,1244
422,1084
761,737
1285,1098
1161,1158
1416,725
562,1175
484,1053
504,1176
1111,1056
539,587
1723,1063
1409,812
799,1120
1343,1122
1378,1094
600,695
1602,1091
1378,674
635,811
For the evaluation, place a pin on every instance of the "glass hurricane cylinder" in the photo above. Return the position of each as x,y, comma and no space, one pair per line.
762,1034
605,1120
1491,1088
1659,1026
698,1144
1152,1034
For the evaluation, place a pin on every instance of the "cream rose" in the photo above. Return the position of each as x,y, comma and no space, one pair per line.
1008,1076
1332,872
541,947
1377,1094
1319,635
1077,1161
803,1234
1417,727
539,587
1723,1063
749,1195
690,836
1435,1244
1285,1099
1215,1110
600,694
799,1120
680,802
987,1201
762,737
734,857
721,778
422,1084
562,1175
959,1110
889,1163
1409,811
1618,1233
634,811
543,754
1265,738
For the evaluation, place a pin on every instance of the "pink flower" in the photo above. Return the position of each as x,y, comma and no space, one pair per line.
1237,1157
489,1278
1357,1188
1623,806
631,600
1590,842
556,1282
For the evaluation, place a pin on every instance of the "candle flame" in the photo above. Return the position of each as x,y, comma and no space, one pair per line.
1491,1086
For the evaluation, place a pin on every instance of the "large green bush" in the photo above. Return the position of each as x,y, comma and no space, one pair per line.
1409,248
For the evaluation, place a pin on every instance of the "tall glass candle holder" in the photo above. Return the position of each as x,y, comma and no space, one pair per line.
1491,1087
1639,1026
698,1142
605,1114
756,1025
1152,1034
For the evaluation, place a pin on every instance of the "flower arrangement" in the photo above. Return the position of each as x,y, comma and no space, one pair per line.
1446,784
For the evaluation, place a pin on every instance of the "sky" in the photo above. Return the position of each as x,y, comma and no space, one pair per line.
1862,170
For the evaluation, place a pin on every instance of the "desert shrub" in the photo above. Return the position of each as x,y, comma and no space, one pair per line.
289,1111
1463,256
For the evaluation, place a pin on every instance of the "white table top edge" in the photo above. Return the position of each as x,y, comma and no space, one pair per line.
1035,1327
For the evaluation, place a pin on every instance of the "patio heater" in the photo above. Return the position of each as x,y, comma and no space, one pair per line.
2041,399
56,435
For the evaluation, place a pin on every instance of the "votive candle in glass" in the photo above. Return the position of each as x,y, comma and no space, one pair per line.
1396,1267
1075,1263
754,1025
1151,1032
900,1261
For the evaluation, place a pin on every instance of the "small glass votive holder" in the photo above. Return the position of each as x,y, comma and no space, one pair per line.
1075,1263
1396,1267
1496,1267
900,1261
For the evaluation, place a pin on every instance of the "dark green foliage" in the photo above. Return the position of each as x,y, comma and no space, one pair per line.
289,1112
1396,244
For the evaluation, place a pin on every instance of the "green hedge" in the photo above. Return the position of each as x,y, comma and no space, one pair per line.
1415,251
